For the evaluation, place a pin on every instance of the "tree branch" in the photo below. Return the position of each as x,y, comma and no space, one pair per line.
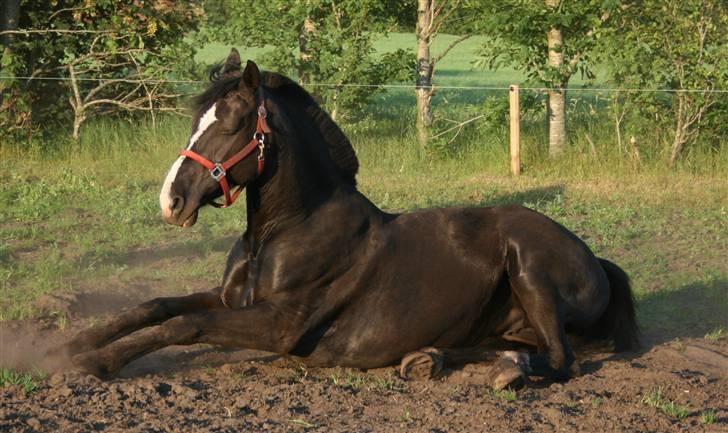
459,125
450,47
46,31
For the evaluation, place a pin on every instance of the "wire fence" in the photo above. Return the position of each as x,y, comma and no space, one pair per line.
379,86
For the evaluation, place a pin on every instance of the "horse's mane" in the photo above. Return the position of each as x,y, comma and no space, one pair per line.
338,145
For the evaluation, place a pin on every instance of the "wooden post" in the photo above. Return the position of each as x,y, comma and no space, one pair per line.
515,120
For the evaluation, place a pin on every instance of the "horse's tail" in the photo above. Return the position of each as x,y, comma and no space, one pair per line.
619,321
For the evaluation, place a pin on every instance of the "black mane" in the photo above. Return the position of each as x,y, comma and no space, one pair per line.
339,147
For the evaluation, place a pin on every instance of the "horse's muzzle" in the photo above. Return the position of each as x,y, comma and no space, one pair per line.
180,215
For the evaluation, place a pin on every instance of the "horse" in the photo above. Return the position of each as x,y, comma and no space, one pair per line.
323,276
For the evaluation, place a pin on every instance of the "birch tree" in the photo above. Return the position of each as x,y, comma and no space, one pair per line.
431,17
550,41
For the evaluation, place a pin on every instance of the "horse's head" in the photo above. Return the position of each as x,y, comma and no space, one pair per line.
220,153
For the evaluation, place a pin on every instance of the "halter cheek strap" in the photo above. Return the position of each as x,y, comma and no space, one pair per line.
218,170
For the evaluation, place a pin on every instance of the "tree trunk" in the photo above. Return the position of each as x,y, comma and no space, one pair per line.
557,94
423,91
9,14
305,57
680,139
79,114
78,119
557,121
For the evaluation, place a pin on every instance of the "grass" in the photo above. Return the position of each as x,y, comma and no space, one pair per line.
405,418
370,382
28,381
716,334
301,422
708,416
506,394
668,407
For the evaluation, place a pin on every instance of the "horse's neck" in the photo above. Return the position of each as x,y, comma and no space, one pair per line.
269,213
299,185
283,200
343,214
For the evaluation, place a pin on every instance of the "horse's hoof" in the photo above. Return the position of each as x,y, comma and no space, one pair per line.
75,347
575,369
422,364
521,359
505,373
88,363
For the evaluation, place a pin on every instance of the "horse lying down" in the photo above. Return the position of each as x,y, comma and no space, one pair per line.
324,276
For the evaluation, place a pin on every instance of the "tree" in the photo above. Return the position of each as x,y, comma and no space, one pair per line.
550,41
10,99
431,16
113,55
679,45
327,44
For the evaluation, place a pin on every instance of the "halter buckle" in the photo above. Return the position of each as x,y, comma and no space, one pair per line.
217,172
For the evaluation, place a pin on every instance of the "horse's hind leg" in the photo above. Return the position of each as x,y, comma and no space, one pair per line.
507,368
537,297
147,314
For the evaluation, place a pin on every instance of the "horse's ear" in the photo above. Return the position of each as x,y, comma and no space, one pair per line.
232,64
251,76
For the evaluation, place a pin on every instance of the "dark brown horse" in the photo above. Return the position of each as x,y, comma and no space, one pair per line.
321,274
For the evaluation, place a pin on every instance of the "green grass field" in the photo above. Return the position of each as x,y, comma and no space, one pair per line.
85,217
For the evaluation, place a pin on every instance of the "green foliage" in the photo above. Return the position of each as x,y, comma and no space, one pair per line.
109,40
680,45
517,37
506,394
716,334
368,381
319,42
665,405
27,381
708,416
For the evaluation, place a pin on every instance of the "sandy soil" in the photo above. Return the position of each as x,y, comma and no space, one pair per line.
203,389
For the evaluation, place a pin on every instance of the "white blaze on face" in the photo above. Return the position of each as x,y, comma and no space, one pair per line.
165,200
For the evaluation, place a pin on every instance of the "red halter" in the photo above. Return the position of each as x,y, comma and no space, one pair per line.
218,170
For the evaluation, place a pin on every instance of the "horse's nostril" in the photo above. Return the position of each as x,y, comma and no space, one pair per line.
177,204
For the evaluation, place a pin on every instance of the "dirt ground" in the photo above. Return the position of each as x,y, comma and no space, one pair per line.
203,389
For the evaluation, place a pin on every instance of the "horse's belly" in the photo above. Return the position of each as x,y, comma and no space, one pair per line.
373,335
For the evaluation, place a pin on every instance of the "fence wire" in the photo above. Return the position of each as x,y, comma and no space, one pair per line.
380,86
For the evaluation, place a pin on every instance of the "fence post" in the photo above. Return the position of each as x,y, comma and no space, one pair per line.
515,124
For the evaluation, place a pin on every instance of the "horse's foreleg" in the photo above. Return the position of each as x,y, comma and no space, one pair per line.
147,314
260,327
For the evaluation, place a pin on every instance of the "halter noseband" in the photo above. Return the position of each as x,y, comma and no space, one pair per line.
218,170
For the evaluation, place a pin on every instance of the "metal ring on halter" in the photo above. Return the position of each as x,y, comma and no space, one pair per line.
217,172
